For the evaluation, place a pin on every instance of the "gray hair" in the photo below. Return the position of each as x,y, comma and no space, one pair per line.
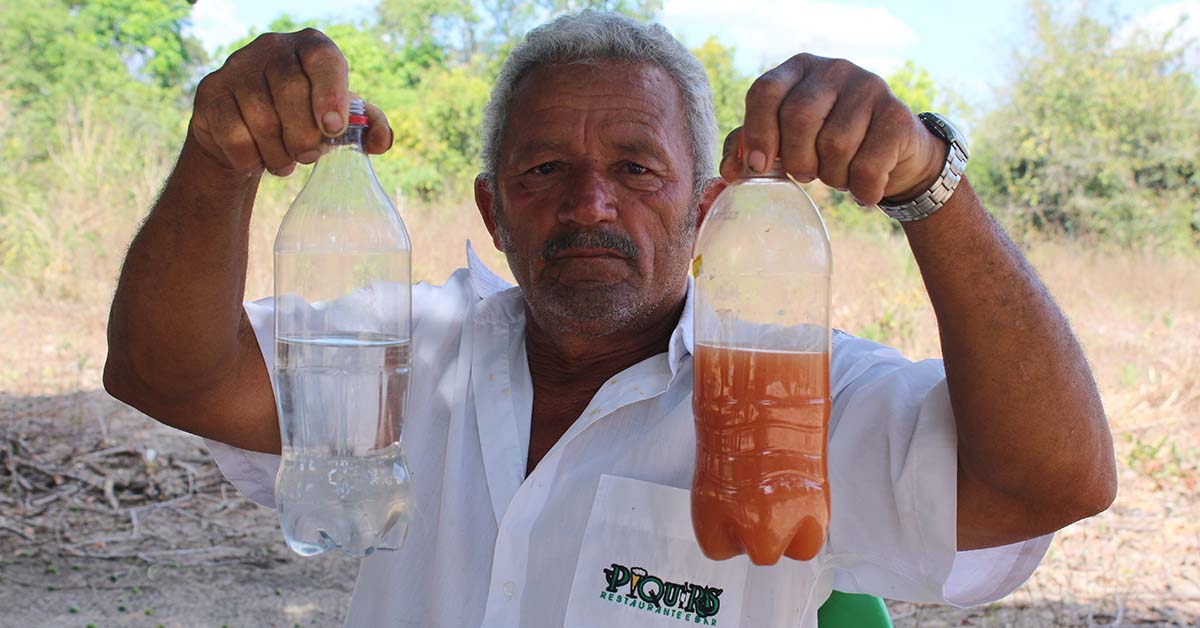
590,37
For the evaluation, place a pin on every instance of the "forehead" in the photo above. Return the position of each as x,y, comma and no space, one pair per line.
611,96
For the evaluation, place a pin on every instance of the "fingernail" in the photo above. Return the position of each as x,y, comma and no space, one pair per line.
757,161
804,179
308,157
332,121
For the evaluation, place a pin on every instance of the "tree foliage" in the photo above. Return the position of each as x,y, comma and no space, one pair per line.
130,55
1097,133
914,86
729,85
83,83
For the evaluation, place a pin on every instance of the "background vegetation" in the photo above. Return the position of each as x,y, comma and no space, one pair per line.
1092,136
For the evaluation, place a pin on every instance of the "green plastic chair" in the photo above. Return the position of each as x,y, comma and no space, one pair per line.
853,610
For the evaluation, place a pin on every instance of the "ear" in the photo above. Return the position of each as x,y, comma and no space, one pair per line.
712,190
485,200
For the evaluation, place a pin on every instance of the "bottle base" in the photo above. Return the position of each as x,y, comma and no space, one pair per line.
325,543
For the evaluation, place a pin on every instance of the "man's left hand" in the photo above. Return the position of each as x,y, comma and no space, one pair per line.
831,120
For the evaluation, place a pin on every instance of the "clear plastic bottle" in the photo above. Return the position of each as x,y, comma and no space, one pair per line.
342,357
761,395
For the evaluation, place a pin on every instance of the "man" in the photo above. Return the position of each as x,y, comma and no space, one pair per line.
546,421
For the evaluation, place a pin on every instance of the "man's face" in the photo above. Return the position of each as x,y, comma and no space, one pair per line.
593,202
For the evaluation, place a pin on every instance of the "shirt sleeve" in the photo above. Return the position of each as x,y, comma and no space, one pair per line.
893,476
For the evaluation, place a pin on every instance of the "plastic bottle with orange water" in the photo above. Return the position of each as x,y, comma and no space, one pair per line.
761,395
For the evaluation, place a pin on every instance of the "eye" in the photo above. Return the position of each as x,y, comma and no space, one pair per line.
547,168
635,168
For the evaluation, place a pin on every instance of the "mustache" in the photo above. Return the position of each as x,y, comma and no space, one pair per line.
621,244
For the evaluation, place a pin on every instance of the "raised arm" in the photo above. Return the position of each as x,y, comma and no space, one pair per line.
1034,449
180,347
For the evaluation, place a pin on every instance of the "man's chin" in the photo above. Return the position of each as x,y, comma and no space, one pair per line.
595,309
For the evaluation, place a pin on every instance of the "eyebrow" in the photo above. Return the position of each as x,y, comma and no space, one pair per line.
634,146
641,146
535,146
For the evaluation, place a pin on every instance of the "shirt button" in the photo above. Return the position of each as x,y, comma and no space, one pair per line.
509,588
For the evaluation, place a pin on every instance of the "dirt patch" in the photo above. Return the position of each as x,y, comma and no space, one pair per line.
201,555
113,519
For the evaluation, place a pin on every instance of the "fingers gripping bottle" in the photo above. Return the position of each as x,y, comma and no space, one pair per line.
342,357
761,394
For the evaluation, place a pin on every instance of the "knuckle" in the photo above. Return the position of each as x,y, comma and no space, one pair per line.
322,52
301,140
865,174
834,145
767,87
799,111
253,52
893,119
842,67
236,139
285,76
870,88
215,103
208,87
263,122
266,40
291,99
311,34
876,83
806,59
899,115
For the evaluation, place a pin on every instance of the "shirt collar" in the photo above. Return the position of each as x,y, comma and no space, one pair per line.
487,283
681,343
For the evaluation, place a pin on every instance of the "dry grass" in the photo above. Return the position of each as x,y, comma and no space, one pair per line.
1138,318
1137,315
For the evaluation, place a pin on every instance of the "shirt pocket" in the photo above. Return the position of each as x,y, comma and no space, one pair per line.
639,564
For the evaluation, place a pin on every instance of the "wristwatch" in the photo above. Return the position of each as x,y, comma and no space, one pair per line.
932,199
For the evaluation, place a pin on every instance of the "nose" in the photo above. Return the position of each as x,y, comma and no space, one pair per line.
589,199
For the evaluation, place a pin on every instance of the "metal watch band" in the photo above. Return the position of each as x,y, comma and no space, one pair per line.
932,199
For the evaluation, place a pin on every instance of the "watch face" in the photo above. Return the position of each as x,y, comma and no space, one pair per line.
944,129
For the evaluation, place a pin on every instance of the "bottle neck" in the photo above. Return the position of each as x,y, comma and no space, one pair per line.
343,158
352,138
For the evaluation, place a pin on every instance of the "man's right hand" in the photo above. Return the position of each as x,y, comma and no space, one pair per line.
270,104
180,345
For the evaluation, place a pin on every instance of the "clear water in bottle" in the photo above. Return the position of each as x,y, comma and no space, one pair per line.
344,393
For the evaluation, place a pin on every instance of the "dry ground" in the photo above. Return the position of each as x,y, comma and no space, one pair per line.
110,519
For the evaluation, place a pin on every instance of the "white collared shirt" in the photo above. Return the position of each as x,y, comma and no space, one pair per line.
490,547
